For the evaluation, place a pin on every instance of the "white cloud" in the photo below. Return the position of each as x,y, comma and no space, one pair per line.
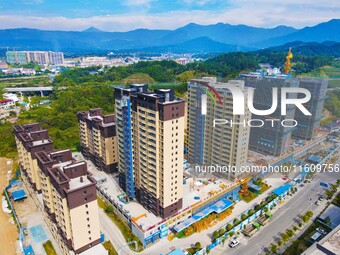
137,2
261,13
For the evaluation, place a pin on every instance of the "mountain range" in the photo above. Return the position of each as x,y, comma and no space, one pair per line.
192,38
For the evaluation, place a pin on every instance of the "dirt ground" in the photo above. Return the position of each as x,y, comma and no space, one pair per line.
8,230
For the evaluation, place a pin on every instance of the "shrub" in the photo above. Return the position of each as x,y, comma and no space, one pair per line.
236,222
198,245
251,212
229,227
215,235
244,217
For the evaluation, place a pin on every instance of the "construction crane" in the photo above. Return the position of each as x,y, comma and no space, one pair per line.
288,58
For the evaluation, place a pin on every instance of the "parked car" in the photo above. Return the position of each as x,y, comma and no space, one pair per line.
318,202
234,243
321,198
321,231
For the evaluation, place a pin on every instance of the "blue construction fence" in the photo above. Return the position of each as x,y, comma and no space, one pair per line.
270,206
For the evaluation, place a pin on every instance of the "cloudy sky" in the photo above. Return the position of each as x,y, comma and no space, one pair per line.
114,15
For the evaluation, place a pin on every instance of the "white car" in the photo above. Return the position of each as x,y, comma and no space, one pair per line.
321,231
318,202
234,243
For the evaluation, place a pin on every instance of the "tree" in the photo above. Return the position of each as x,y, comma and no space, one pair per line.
284,237
231,234
229,227
251,212
244,217
198,246
109,209
236,222
215,235
274,248
222,231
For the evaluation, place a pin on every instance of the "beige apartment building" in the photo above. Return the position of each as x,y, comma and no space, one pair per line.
62,188
70,201
154,121
224,145
30,138
98,140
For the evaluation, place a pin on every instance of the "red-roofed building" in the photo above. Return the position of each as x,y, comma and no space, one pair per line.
6,103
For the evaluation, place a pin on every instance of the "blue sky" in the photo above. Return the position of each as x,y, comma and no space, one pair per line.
114,15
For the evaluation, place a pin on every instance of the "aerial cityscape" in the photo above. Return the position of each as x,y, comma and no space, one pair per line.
169,127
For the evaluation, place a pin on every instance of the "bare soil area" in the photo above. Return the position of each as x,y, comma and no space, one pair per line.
8,230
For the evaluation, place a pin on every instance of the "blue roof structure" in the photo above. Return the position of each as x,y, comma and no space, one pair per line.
178,251
314,159
19,194
253,186
15,183
29,250
217,207
282,189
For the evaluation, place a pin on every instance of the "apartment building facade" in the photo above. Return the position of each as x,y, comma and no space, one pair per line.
124,136
308,126
30,138
62,188
150,129
268,139
70,201
223,145
98,140
39,57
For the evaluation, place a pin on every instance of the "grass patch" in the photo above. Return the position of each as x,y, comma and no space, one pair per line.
264,187
180,234
48,246
120,223
247,197
109,247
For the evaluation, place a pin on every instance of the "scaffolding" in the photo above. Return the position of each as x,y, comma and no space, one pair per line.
127,131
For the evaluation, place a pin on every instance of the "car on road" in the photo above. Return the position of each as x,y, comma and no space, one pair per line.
321,231
321,198
234,243
318,202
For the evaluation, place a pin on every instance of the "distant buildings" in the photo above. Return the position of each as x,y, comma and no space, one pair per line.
62,188
98,140
150,129
222,145
39,57
6,104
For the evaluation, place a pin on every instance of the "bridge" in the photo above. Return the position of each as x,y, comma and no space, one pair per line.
31,89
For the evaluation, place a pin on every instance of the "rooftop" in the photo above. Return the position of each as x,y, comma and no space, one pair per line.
78,182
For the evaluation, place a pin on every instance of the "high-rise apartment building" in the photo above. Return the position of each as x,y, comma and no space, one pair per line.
63,188
151,126
124,135
70,202
269,139
223,145
39,57
98,140
30,138
308,126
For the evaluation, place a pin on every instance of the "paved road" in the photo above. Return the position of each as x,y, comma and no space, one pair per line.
283,218
112,232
